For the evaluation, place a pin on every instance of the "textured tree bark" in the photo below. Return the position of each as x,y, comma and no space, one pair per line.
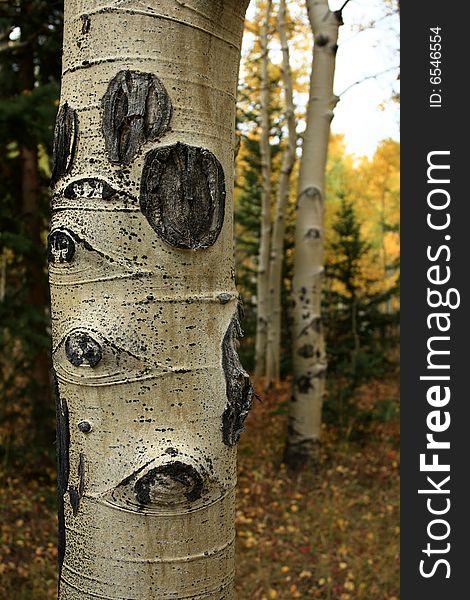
273,355
262,287
151,396
309,358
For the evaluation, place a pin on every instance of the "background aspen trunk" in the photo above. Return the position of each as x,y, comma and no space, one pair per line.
262,293
309,358
273,357
151,396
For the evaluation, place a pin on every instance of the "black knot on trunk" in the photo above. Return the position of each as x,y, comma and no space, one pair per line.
89,187
183,195
321,39
60,247
85,426
306,351
136,109
64,143
86,23
169,484
82,350
304,383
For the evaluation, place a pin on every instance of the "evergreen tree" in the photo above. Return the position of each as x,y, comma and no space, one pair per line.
247,227
358,330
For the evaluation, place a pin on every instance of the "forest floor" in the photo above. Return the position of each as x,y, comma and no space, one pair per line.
332,534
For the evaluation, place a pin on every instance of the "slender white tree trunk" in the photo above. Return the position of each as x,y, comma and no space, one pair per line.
151,396
309,358
277,240
262,292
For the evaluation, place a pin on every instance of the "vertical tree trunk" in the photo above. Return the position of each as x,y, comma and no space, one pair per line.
277,240
309,359
151,396
387,269
262,293
37,296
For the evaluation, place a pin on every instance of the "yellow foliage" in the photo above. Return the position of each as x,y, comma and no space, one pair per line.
373,187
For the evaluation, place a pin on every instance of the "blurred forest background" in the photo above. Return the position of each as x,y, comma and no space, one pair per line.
329,531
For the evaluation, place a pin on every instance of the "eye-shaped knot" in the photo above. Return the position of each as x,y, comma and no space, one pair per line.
169,484
82,350
61,247
89,187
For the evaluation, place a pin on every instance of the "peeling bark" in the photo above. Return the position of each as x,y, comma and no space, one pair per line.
238,386
309,356
139,318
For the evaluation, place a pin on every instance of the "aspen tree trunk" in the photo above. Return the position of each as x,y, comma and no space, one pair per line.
309,358
262,293
151,396
277,240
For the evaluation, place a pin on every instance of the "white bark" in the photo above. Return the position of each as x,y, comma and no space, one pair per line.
262,288
150,394
273,357
309,359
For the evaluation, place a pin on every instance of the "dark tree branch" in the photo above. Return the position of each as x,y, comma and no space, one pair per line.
375,76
